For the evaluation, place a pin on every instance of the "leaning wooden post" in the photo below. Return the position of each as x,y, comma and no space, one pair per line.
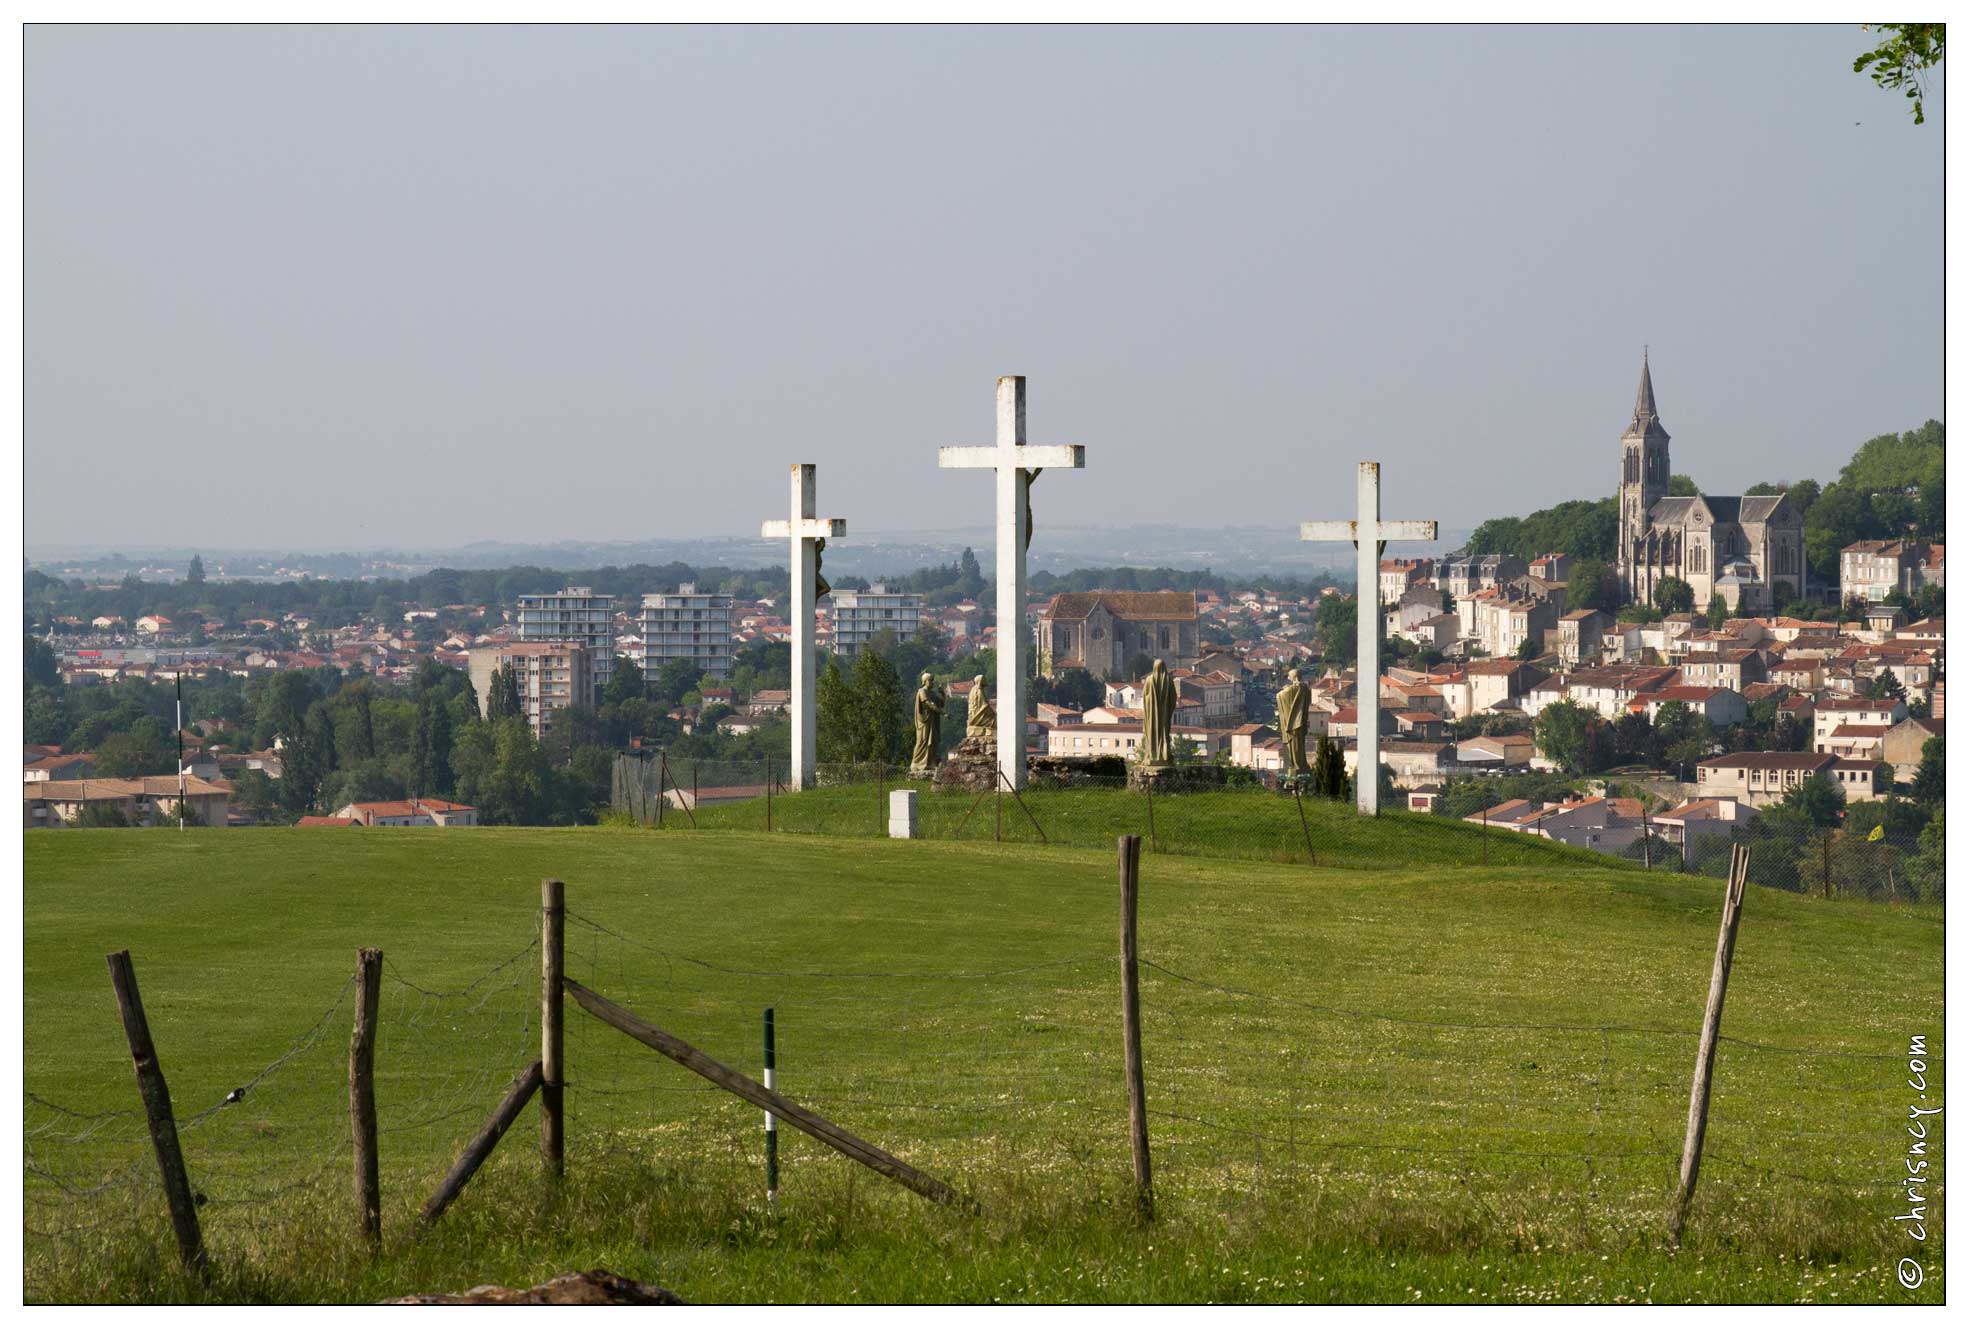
362,1094
1712,1020
481,1145
553,920
1130,849
157,1107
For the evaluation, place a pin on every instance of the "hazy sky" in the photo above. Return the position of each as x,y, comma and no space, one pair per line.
304,287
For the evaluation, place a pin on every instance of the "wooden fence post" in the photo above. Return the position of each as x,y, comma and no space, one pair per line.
481,1145
1712,1021
1130,852
362,1094
157,1107
553,921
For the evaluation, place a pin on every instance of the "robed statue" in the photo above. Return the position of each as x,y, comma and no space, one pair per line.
930,702
1158,709
1293,701
982,722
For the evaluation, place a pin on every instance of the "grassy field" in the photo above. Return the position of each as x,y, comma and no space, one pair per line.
1383,1083
1246,823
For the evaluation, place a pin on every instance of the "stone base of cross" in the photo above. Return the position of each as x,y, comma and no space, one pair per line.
1367,532
1016,463
801,529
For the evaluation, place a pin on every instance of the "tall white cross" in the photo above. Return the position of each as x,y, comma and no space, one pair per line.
1367,532
802,528
1016,464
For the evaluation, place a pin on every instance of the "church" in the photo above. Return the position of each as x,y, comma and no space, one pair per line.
1750,549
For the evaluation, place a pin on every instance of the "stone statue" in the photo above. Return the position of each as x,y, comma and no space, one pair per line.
1158,709
930,701
1292,706
983,720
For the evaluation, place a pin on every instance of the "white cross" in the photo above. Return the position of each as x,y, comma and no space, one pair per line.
802,528
1367,532
1016,464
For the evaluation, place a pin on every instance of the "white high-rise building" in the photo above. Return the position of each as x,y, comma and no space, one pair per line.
687,625
575,614
859,615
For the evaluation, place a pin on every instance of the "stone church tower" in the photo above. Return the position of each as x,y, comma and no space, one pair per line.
1643,481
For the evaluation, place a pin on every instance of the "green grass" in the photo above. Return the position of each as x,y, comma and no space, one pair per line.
1433,1081
1246,823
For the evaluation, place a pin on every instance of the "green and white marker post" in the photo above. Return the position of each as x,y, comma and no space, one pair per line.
772,1130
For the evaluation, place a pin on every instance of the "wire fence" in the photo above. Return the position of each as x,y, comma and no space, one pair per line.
267,1138
1232,812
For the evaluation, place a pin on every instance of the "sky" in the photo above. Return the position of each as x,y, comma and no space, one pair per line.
354,288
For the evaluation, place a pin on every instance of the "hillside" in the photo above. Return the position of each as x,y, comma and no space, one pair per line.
1390,1083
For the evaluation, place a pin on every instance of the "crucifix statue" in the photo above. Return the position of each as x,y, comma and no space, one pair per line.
1368,533
808,536
1016,464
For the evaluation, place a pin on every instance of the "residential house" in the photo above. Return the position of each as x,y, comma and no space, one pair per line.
1719,706
1759,778
1580,637
410,812
1901,746
1870,569
1607,825
148,798
1495,751
1831,713
1688,824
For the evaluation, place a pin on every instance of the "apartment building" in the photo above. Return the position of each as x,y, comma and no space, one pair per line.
859,615
574,614
551,675
686,625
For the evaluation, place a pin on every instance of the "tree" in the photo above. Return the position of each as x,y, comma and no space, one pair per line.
1329,770
1674,596
1886,687
143,749
195,574
430,751
1333,627
1527,649
835,721
40,663
97,815
1682,486
1907,51
1592,585
1818,799
625,683
1928,778
1719,612
673,680
307,759
878,709
1925,870
1074,688
1561,730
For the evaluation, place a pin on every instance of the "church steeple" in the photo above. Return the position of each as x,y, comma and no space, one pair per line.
1645,414
1643,483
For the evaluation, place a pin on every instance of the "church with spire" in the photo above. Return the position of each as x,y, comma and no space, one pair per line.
1749,549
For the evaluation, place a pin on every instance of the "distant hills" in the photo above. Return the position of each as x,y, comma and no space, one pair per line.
1227,550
